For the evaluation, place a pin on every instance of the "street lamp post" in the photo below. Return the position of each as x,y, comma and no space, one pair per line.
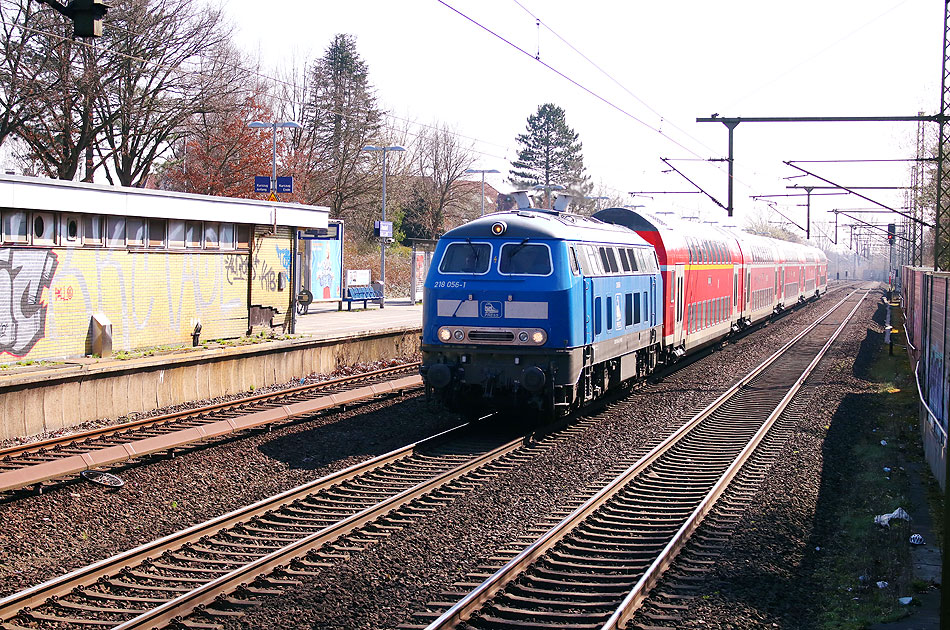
382,241
257,124
274,125
482,171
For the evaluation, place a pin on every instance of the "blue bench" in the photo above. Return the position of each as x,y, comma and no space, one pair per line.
360,294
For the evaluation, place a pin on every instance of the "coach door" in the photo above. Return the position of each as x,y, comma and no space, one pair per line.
678,308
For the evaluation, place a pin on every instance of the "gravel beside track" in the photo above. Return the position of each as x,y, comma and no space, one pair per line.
47,535
765,580
383,585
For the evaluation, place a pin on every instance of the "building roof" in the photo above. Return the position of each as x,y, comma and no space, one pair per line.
51,195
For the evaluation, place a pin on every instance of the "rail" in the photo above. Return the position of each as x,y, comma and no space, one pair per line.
494,585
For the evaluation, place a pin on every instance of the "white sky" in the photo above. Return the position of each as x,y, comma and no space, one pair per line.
685,59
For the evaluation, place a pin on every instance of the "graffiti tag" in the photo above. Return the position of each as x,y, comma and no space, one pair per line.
24,273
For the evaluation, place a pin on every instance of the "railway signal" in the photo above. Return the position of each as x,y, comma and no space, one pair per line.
86,15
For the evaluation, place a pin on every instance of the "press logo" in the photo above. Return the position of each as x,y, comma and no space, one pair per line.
491,309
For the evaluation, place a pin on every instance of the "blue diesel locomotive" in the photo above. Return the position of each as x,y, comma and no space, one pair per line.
538,309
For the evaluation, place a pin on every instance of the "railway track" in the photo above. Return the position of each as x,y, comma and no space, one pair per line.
296,532
38,465
595,567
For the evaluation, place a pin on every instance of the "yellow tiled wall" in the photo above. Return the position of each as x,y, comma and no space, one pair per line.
48,295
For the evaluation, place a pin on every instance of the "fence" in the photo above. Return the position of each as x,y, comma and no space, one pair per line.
924,294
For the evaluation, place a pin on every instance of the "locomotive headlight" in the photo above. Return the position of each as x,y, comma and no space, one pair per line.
539,337
498,228
459,335
445,334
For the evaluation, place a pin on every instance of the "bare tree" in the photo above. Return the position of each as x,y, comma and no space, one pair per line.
72,75
22,62
173,61
440,160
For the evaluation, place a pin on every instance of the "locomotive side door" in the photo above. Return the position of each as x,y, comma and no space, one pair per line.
588,311
677,291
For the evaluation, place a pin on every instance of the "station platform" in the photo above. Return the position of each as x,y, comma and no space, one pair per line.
43,399
323,319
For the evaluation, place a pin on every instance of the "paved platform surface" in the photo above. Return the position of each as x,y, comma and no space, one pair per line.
324,321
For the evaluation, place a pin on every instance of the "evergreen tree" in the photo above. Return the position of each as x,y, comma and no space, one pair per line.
550,155
341,118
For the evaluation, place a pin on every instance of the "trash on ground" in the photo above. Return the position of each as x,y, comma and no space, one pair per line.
905,601
882,584
884,520
916,539
883,442
887,469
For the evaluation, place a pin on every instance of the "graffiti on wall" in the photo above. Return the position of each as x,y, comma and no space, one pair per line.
263,273
24,275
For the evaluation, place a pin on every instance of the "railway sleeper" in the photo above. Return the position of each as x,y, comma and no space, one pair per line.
540,618
606,604
86,608
85,592
612,593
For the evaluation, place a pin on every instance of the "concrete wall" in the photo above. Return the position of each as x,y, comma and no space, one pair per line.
54,398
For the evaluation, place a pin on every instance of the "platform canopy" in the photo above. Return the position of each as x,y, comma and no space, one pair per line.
51,195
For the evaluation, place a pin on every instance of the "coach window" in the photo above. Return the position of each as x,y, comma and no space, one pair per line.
15,229
636,308
603,259
623,260
465,257
572,260
628,304
610,313
525,259
176,234
115,231
135,232
193,234
156,232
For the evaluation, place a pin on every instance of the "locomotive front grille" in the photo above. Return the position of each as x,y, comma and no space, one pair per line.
495,336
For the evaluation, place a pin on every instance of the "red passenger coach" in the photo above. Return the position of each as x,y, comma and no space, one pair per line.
717,281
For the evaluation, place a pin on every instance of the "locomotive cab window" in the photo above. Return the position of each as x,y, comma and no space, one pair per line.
465,257
525,259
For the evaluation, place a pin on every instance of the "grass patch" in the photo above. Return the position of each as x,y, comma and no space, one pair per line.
857,486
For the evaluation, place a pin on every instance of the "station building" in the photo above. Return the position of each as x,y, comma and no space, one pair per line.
162,268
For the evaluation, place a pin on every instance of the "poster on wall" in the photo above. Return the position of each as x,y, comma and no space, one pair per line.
326,269
419,276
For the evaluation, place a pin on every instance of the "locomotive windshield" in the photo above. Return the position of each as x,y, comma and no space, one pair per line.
466,257
525,259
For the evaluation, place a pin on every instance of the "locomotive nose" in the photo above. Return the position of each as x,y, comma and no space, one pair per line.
439,375
533,379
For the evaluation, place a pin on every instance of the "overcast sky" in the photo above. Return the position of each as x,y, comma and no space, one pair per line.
661,65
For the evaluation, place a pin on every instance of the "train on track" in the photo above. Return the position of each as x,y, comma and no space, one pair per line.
544,310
